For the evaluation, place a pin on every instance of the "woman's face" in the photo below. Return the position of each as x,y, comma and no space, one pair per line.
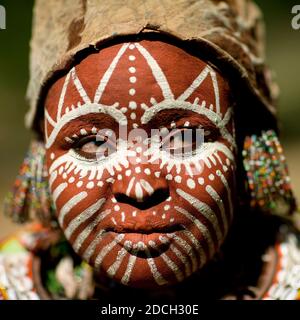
141,159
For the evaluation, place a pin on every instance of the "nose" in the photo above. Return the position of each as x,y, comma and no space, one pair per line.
141,189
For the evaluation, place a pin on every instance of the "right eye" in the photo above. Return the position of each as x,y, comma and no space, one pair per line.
93,148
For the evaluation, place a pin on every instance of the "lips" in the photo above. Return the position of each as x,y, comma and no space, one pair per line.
145,241
145,229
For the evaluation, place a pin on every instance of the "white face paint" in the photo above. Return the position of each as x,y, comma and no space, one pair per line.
139,214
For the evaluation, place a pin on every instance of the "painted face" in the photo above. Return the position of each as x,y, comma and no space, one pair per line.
139,213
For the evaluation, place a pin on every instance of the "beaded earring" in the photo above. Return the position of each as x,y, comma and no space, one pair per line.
30,197
268,178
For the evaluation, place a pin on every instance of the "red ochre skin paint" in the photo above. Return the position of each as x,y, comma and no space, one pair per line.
137,213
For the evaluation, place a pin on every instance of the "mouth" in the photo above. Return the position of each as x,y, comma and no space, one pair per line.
146,230
146,242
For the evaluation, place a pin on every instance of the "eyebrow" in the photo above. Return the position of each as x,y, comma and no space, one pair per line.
98,120
165,117
219,120
79,112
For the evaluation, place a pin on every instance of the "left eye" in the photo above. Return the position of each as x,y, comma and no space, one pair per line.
181,141
92,148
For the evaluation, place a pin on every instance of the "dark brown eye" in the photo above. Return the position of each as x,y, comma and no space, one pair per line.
211,135
94,148
182,141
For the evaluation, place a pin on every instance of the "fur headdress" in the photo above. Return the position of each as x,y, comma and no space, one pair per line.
229,33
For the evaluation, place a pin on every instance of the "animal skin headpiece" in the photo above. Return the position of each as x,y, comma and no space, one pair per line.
228,34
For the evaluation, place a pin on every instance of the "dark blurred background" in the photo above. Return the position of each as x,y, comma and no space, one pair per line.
283,55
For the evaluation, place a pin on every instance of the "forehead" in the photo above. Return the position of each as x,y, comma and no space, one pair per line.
133,77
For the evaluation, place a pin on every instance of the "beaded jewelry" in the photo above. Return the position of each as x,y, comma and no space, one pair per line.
268,178
30,197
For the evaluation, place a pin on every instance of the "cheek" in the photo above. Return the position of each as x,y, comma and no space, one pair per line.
205,198
78,196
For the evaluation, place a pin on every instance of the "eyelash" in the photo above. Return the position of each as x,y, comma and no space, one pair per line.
211,131
77,137
81,141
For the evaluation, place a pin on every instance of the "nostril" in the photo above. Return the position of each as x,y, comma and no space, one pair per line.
158,196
